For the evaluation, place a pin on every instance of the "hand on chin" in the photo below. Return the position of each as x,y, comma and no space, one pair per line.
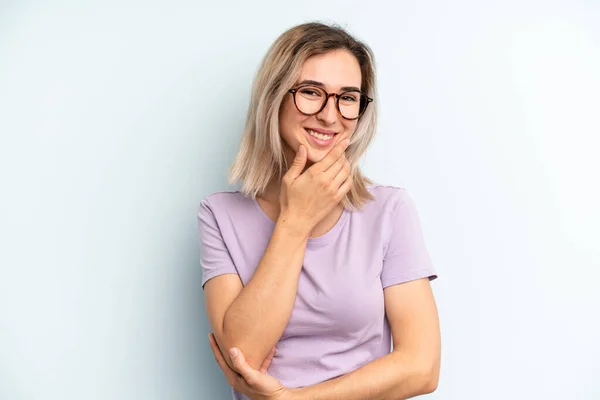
315,154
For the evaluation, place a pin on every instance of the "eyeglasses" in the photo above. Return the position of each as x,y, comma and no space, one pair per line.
311,100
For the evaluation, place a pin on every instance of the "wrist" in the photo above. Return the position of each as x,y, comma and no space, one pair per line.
293,225
296,394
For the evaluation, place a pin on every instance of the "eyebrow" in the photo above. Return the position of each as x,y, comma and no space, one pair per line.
320,84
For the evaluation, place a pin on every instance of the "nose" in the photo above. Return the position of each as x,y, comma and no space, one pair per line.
329,113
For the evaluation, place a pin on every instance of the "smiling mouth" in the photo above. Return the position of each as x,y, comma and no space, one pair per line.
320,136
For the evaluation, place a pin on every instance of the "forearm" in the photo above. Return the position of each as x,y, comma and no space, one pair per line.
396,376
256,319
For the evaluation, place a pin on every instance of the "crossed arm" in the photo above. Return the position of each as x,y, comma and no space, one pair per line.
411,369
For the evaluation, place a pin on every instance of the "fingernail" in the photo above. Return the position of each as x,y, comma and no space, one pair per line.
346,142
233,353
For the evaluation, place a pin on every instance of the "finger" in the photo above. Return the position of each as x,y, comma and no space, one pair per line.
332,156
298,164
229,373
345,188
265,365
335,169
239,362
342,175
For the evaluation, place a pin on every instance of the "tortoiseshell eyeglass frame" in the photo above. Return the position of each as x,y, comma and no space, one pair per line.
337,96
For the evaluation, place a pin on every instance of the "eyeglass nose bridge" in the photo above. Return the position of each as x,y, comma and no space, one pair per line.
326,100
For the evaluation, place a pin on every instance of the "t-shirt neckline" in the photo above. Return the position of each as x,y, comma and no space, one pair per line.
322,240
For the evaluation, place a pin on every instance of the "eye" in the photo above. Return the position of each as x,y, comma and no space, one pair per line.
310,92
348,97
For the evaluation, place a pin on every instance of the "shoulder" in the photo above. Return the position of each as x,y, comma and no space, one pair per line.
224,201
387,198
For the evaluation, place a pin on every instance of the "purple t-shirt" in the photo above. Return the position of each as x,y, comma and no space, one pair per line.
338,323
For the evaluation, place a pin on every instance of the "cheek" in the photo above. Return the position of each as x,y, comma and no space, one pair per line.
350,126
290,121
287,118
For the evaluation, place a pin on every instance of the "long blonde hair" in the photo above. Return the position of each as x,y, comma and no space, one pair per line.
261,157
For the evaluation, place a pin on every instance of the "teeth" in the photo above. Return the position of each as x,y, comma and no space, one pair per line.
319,136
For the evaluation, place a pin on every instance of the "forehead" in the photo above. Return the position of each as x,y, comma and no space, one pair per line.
335,69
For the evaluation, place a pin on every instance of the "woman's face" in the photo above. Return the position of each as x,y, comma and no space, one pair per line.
333,71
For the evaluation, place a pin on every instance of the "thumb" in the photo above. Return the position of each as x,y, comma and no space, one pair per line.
299,162
240,364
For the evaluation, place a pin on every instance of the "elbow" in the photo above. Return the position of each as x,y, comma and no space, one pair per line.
430,386
226,340
224,345
421,375
229,340
430,375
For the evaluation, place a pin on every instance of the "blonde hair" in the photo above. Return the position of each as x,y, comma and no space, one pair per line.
261,157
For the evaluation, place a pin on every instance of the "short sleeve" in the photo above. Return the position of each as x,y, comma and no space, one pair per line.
214,256
406,257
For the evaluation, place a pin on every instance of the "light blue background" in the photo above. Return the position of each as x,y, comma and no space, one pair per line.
117,118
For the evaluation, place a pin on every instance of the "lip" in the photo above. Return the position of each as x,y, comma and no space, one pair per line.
322,131
318,142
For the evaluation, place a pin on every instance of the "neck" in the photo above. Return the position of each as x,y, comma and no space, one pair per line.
271,193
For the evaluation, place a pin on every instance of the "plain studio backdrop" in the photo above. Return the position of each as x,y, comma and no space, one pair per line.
118,118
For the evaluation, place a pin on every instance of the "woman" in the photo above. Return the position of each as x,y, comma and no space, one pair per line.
310,269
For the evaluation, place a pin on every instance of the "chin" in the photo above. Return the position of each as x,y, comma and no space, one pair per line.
315,155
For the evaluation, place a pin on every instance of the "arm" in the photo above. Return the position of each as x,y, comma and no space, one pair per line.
252,318
413,366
